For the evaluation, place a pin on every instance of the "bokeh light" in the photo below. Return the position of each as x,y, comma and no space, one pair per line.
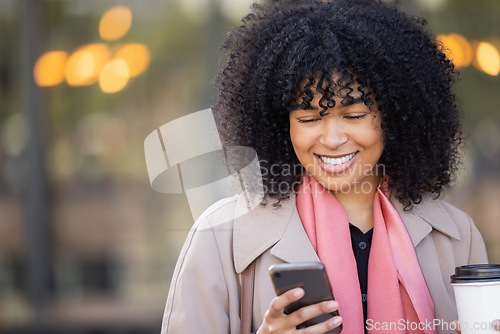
14,134
103,136
197,11
114,76
63,158
432,5
80,68
234,10
115,23
84,65
488,58
136,56
101,53
49,68
457,48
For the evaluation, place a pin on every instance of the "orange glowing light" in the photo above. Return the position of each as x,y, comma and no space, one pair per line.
80,68
137,57
114,76
84,65
101,53
466,54
488,58
115,23
458,49
49,68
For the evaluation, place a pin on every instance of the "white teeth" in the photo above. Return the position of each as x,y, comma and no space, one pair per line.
337,161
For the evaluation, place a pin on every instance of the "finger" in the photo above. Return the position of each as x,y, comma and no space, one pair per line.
496,324
456,326
279,303
311,311
322,327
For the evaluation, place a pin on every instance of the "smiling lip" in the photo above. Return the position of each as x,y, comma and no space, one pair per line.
336,164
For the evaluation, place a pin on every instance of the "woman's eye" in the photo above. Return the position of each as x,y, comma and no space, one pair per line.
312,120
356,116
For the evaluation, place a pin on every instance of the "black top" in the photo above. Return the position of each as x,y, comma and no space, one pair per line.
361,244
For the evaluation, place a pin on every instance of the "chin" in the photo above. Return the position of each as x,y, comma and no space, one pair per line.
335,186
347,186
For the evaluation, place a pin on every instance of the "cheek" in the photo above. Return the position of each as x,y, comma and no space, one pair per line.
377,143
302,140
377,134
295,137
381,138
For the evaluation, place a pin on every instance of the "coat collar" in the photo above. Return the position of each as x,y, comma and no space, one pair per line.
256,230
264,227
422,218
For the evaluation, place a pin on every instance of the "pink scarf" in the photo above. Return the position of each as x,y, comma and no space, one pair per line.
398,297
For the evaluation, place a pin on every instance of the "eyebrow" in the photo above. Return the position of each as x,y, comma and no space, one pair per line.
357,100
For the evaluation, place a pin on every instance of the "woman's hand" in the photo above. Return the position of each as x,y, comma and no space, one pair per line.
495,324
276,321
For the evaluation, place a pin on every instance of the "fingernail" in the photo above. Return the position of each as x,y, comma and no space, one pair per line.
298,293
337,320
331,305
496,324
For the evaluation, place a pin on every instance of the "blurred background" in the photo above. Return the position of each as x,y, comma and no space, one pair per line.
86,246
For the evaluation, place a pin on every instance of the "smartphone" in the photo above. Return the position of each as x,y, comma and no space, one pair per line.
310,276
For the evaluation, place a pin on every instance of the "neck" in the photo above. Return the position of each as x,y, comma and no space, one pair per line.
358,205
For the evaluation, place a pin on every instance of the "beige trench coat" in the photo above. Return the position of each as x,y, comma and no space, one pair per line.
204,292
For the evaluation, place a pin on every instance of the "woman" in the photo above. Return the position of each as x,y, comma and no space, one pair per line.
357,94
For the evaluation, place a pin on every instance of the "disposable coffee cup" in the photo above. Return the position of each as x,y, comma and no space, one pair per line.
477,294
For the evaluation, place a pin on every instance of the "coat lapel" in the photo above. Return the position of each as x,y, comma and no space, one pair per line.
264,227
280,228
295,246
422,218
258,229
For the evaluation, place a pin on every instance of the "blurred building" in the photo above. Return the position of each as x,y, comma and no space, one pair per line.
86,246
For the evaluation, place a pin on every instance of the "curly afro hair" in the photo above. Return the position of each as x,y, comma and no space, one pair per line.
365,45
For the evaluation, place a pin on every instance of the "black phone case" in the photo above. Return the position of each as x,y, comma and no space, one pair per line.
311,276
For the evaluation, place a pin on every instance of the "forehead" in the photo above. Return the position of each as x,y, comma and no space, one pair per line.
324,91
334,86
328,91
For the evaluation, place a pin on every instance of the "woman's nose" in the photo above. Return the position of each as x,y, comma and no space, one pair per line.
333,135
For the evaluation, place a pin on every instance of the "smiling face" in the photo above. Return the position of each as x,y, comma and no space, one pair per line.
342,147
